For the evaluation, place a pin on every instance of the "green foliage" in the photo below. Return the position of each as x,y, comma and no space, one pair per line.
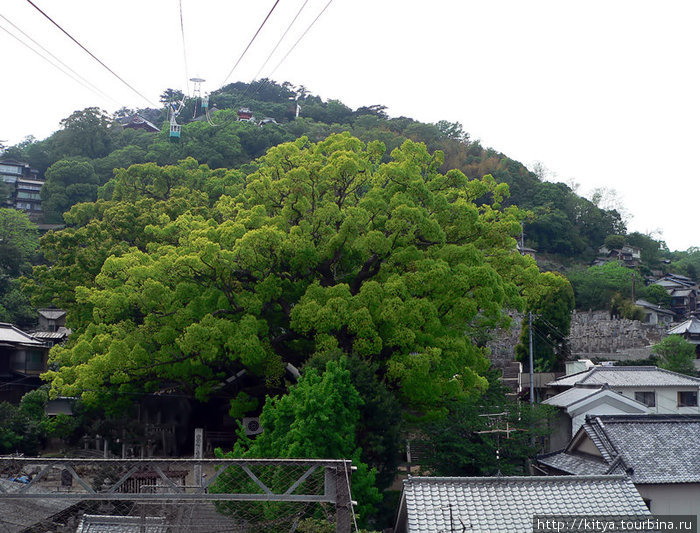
378,429
687,263
68,182
621,307
652,251
86,133
458,449
677,355
324,249
317,419
595,286
551,302
562,223
317,525
21,426
656,294
614,242
18,244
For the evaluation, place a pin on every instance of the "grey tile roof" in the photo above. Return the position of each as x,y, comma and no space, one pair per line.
9,334
507,504
52,314
576,399
17,515
658,448
577,464
626,376
571,396
691,325
121,524
652,448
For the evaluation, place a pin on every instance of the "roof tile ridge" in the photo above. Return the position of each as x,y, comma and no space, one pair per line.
609,448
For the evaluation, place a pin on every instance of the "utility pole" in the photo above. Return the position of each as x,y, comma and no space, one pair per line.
532,364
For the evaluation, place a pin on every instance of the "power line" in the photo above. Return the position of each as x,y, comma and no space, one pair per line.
91,86
249,44
71,76
301,37
280,40
90,53
268,77
184,48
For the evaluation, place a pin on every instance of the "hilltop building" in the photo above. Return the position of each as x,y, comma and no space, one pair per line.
23,185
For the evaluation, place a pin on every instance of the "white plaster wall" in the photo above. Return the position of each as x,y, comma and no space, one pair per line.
602,409
666,400
672,498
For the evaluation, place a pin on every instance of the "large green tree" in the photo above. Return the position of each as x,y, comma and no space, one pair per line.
322,248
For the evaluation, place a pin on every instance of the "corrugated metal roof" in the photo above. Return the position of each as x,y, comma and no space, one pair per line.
50,335
508,504
627,376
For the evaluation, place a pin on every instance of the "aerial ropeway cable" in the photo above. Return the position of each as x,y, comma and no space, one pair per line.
90,53
85,83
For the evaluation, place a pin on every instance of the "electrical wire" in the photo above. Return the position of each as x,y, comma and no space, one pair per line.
67,67
71,76
249,44
184,48
280,41
90,53
269,76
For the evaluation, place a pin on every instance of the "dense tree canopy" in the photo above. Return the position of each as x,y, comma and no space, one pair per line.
68,182
321,248
561,222
18,244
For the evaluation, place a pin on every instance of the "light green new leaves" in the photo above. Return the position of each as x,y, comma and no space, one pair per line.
320,248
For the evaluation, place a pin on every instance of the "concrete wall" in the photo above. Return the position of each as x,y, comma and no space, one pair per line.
672,498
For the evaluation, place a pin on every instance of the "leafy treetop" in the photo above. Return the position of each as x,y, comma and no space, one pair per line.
321,248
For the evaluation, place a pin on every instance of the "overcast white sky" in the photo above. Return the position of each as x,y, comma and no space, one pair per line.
603,93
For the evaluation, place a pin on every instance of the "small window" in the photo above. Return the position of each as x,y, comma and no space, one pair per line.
647,398
687,398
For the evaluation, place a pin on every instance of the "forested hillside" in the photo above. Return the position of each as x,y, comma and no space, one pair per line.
338,274
81,156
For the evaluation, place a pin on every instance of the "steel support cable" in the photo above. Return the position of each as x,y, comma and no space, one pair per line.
267,78
289,27
184,48
67,67
67,73
249,44
90,53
